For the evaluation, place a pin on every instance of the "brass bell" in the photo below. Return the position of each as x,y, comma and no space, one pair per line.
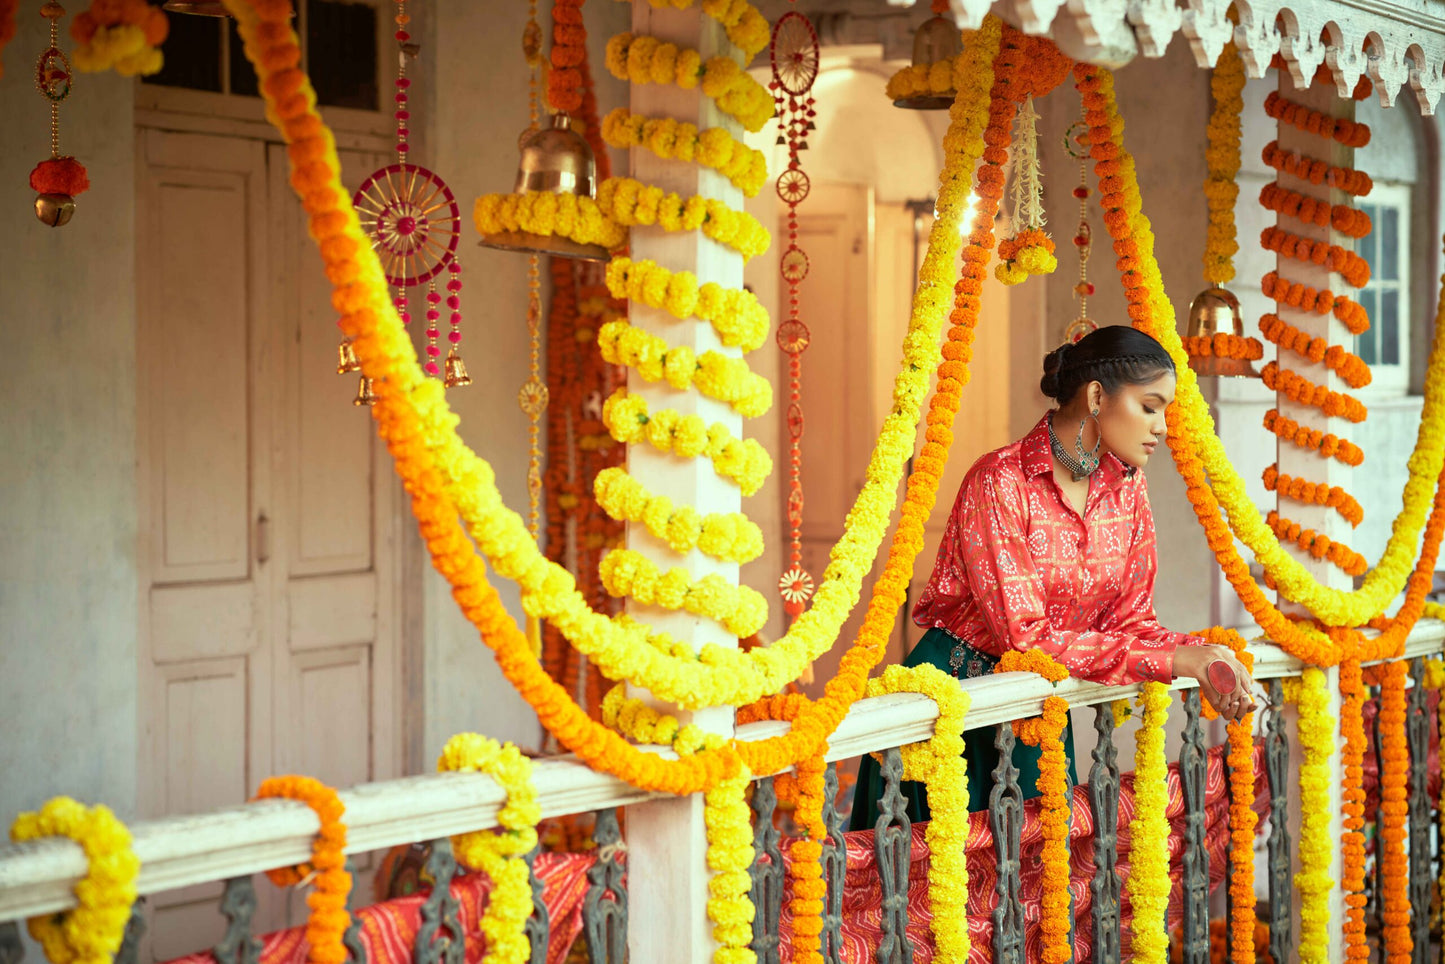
364,394
936,39
556,160
346,362
54,209
1215,310
456,371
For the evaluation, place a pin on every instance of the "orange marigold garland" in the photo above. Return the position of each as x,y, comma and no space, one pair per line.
1346,132
1348,366
1317,172
1046,732
1327,444
1305,392
329,919
1224,345
121,34
1344,262
569,50
1394,808
1352,729
1314,493
1317,544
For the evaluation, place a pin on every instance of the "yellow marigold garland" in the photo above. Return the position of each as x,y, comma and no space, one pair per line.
718,376
630,202
671,139
939,763
1148,882
921,80
500,855
572,216
126,36
331,882
734,313
727,536
743,461
643,59
1316,736
91,932
745,26
741,610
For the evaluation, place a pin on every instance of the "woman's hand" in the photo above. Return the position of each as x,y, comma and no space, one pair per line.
1193,661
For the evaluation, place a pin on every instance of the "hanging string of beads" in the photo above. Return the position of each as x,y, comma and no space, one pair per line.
1076,145
795,67
58,178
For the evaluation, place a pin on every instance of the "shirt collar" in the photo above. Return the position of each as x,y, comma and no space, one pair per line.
1037,457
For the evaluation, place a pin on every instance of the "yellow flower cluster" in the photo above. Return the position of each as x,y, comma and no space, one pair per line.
726,536
571,216
939,763
740,610
744,461
1222,159
718,376
746,27
643,59
735,314
93,931
630,202
1148,882
670,139
922,80
500,855
1317,740
1194,441
121,46
726,816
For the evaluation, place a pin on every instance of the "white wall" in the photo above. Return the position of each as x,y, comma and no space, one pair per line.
67,394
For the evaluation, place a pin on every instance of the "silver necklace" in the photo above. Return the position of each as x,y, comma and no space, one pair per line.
1082,464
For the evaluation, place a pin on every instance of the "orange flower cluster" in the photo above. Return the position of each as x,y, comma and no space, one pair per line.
1224,345
1042,68
1306,392
1346,132
1314,493
1297,295
1352,728
1009,248
1219,943
328,921
1032,661
1242,823
569,51
1345,179
1318,545
1327,444
1348,366
1312,210
1394,808
59,175
1353,268
1046,731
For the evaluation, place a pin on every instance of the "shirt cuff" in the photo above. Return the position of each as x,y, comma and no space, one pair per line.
1152,661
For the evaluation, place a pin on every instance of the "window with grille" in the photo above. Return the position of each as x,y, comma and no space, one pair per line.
340,44
1386,345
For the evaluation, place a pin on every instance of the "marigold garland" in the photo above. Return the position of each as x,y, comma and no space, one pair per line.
1334,357
1032,661
921,80
743,461
1316,736
630,202
1327,444
1311,210
122,34
734,313
740,610
501,856
940,764
1352,729
718,376
727,536
1054,925
1317,544
1394,811
670,139
1147,886
1305,392
1346,132
1317,172
1353,268
92,931
575,217
1223,345
1314,493
643,59
745,26
1242,823
1226,83
331,882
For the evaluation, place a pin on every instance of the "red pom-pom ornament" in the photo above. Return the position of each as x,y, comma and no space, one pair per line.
59,175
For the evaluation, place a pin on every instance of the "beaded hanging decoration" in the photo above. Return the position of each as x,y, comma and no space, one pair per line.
1076,145
415,225
58,178
794,54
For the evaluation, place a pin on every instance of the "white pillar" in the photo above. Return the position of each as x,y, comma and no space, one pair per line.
1302,463
667,842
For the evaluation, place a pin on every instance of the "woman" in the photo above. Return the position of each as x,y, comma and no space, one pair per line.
1050,545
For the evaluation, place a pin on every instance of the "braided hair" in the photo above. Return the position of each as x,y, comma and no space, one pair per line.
1113,356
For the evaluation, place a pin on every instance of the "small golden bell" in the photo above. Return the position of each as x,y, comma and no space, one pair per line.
1216,311
364,394
456,371
936,39
54,209
346,362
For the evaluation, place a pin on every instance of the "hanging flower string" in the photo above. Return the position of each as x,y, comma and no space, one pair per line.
1148,884
92,931
1316,736
1394,812
58,179
1028,250
124,35
331,883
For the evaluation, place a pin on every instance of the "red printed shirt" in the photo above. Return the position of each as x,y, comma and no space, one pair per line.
1018,568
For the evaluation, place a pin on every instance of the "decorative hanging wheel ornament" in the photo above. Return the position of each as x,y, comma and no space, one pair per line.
415,225
1076,145
58,178
794,53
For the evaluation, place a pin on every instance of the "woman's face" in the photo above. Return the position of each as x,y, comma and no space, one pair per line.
1132,420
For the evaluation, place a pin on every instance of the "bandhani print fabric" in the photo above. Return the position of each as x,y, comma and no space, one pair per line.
1019,567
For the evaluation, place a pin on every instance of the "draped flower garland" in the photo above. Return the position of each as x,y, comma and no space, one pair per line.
1316,736
330,880
1148,883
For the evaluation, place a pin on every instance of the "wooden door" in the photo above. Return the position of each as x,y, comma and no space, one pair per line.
268,514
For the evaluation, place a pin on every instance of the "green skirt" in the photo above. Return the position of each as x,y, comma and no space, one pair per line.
940,649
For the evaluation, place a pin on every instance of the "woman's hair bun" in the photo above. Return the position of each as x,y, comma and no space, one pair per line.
1053,364
1113,356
